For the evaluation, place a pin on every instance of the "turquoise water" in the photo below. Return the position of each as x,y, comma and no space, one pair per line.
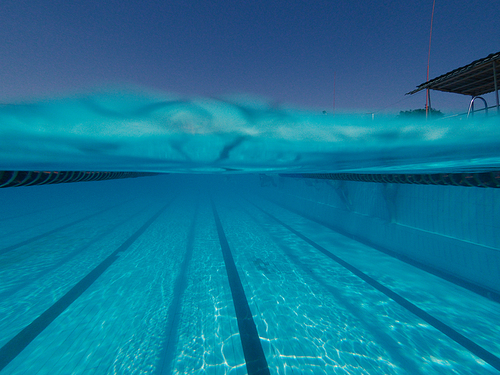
159,299
154,132
207,270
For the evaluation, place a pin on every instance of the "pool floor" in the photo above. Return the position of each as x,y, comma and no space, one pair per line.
193,280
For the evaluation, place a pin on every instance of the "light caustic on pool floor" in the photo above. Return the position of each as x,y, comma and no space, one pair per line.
242,286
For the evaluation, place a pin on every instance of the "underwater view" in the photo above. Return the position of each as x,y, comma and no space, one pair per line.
236,248
194,187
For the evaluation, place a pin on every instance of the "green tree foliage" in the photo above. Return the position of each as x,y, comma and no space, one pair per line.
421,113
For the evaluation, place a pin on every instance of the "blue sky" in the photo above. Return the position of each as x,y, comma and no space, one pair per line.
284,51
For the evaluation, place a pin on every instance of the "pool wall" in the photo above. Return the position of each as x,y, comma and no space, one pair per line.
452,230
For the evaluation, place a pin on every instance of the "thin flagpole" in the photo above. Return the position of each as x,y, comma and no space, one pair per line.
334,79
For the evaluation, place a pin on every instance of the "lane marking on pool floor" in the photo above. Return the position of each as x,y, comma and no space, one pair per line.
19,342
391,345
490,294
255,359
173,313
460,339
44,271
52,231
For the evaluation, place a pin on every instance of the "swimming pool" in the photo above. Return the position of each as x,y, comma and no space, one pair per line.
180,274
238,261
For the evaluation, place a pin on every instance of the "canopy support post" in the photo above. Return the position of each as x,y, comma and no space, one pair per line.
496,84
428,106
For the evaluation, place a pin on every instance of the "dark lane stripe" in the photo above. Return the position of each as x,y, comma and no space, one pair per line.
173,314
397,351
30,240
17,344
252,349
474,348
34,276
478,289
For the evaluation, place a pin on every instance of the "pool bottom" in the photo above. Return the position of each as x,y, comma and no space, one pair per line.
165,304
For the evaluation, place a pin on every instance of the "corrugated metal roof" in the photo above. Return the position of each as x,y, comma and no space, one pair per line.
473,79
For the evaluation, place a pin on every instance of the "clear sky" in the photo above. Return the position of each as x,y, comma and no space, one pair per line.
285,51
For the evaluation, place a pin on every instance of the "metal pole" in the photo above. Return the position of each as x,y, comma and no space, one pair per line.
427,102
496,84
430,106
427,98
334,79
471,107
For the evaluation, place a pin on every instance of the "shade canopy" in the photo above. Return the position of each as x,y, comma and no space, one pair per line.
477,78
